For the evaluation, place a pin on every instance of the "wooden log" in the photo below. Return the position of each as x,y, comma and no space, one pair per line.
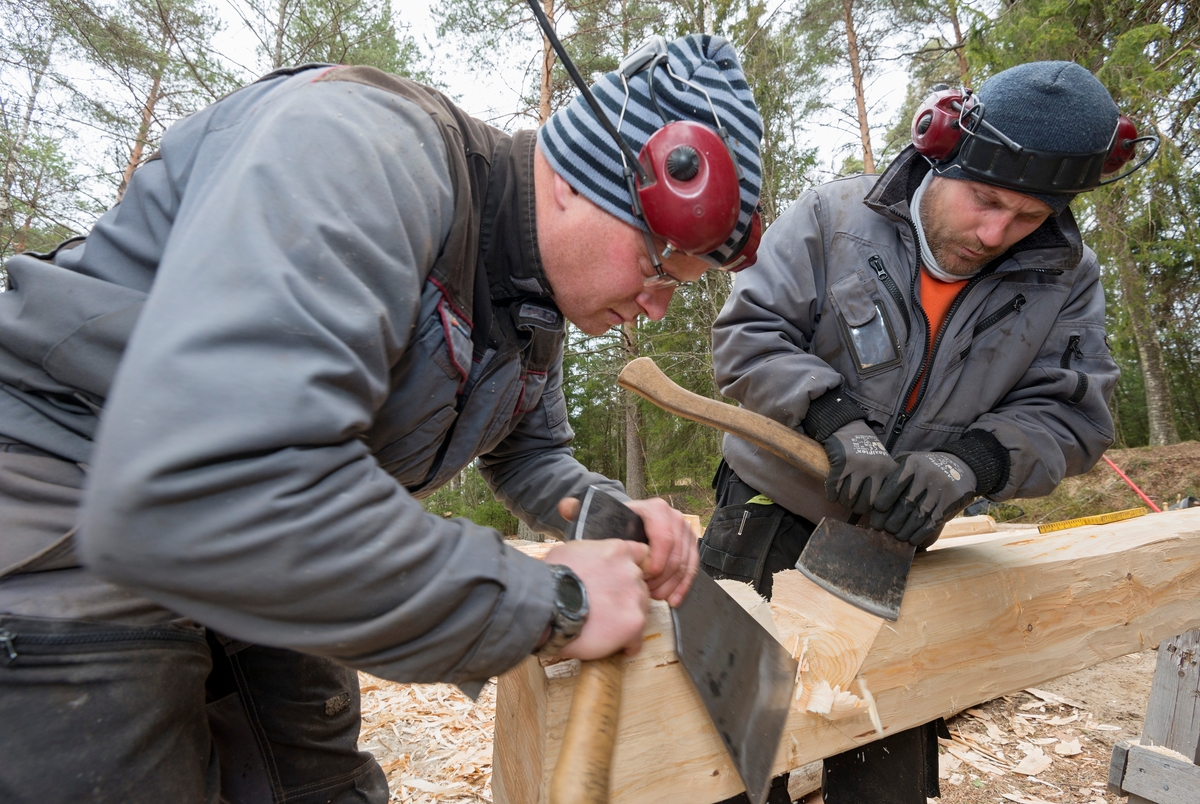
978,621
968,526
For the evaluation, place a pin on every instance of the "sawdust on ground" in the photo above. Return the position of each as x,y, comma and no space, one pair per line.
1051,745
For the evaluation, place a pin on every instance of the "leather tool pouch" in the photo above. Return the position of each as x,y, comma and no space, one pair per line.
737,541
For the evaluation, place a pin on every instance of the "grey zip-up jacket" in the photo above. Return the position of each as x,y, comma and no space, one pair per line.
1018,378
282,374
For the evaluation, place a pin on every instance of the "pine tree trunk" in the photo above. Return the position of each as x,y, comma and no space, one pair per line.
1159,409
635,454
139,145
860,98
547,85
280,26
960,47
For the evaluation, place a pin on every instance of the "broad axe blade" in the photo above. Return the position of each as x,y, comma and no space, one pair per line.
866,568
743,675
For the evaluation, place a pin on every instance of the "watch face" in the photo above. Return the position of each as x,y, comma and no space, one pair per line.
570,593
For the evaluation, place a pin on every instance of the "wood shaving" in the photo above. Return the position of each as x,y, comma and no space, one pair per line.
1035,762
974,759
1050,697
1021,798
1068,748
432,741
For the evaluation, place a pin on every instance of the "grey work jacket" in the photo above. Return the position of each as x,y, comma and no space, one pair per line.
260,354
1022,352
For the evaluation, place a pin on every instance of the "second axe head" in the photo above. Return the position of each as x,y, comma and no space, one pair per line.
743,675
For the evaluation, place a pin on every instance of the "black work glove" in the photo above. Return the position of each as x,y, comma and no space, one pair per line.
926,490
858,465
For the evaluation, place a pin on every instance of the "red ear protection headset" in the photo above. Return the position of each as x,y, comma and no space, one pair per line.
685,181
950,123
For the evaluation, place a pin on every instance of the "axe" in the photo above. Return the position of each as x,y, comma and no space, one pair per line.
864,567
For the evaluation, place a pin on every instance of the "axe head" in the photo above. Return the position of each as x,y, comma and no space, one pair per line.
864,567
744,677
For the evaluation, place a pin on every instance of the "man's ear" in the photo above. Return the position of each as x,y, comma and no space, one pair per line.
565,196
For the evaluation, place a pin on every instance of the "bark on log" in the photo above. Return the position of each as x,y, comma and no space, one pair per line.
978,621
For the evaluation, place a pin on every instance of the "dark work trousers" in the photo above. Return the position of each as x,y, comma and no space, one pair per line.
107,698
750,540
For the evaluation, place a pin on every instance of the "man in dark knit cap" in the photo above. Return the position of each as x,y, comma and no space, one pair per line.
939,328
321,300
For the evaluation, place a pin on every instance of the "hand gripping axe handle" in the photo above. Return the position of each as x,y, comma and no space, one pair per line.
864,567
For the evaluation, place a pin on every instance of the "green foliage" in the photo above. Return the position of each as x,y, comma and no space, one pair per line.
40,196
362,32
468,496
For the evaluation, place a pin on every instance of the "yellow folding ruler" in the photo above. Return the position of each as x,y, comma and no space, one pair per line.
1098,519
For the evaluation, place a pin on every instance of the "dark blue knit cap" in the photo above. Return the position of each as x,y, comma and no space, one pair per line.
1049,106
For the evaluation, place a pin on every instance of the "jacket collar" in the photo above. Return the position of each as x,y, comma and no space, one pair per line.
508,242
1055,245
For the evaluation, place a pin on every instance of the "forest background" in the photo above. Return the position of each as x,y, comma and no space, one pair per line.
87,88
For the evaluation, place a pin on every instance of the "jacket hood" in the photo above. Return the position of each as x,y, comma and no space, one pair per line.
1055,243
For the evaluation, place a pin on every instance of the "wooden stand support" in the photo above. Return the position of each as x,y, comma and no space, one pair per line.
1160,767
979,620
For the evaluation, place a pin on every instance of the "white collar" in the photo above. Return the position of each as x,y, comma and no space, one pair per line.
927,259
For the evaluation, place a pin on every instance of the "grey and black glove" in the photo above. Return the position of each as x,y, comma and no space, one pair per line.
858,465
925,491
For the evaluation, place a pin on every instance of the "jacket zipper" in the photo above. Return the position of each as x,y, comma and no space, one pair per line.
1073,350
881,271
9,639
995,318
930,353
1081,382
992,320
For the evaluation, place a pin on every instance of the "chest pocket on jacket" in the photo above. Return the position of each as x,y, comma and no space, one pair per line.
866,331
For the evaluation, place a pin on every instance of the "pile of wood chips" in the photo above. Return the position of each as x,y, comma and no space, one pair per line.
433,742
1029,749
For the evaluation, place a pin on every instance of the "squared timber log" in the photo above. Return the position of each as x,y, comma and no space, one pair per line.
978,621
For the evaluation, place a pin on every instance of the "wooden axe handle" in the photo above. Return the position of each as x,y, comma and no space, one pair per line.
644,378
585,759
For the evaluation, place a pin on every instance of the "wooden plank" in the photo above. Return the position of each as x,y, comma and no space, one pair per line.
1158,775
978,621
968,526
1173,713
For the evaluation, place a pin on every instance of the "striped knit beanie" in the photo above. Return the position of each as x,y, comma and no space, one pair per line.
585,156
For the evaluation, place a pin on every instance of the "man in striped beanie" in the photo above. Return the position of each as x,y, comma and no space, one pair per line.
593,218
325,297
695,78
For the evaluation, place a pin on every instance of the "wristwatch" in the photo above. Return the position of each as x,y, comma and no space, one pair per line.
570,610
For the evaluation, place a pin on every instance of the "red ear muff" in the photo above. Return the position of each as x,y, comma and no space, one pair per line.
935,127
984,153
1123,148
694,198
